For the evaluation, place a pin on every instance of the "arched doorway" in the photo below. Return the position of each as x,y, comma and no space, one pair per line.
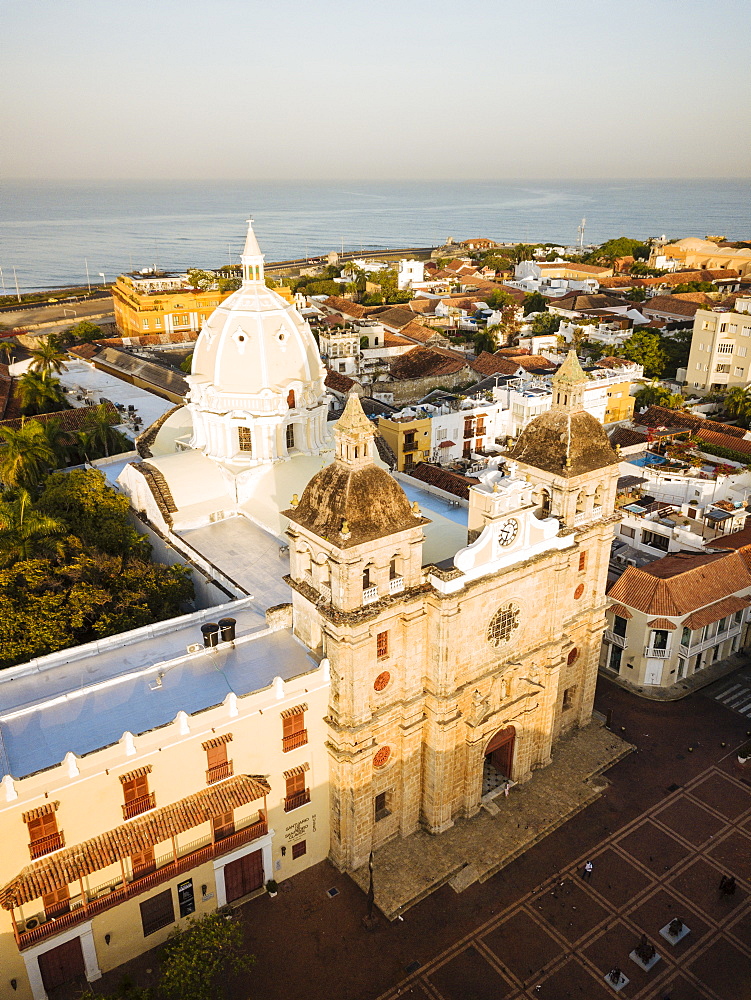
498,761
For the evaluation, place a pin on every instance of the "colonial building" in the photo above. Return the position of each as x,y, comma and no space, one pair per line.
445,680
417,655
674,617
161,304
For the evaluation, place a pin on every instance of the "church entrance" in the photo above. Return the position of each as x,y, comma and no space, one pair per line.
498,760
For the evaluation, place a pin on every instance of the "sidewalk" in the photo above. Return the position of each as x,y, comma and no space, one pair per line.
409,869
697,681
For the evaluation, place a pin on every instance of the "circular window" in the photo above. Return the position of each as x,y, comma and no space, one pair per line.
241,339
382,757
382,680
281,337
503,624
579,591
573,656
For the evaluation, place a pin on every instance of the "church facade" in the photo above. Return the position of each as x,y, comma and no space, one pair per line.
447,679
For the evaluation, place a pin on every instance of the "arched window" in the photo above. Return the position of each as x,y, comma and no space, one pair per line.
394,568
290,436
366,578
598,496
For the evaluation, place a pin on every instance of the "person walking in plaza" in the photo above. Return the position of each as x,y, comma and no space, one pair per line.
588,869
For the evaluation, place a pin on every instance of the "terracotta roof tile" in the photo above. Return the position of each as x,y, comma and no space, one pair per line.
661,416
287,713
424,362
217,741
620,610
670,305
66,866
715,612
139,772
679,584
340,305
663,623
492,364
338,382
443,479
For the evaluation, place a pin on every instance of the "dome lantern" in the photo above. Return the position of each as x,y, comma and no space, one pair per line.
252,258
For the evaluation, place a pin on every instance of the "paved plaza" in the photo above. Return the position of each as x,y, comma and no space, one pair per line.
674,817
563,938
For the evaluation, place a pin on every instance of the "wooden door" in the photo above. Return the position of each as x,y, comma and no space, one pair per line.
56,903
62,964
243,876
501,750
143,863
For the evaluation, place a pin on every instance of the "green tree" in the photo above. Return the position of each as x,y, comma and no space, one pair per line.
60,440
229,284
200,279
486,340
636,295
645,348
102,435
39,393
546,323
25,455
534,302
737,404
657,395
187,365
47,358
82,333
7,350
677,347
498,299
196,962
620,247
24,531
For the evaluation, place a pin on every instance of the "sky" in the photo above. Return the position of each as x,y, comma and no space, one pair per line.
290,89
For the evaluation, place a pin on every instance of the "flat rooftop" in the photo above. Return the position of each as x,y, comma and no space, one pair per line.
79,375
83,699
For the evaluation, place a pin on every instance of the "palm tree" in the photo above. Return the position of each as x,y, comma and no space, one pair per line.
485,340
7,348
738,404
102,436
48,359
25,532
59,439
39,393
26,456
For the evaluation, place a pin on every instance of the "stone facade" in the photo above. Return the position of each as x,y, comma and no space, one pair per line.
429,664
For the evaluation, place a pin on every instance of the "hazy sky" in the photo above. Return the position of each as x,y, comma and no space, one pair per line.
290,89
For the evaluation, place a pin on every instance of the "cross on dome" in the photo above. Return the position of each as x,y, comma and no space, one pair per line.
252,258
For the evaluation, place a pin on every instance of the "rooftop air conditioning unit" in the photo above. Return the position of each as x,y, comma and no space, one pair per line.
195,647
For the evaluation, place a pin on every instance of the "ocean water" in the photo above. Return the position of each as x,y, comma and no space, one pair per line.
48,231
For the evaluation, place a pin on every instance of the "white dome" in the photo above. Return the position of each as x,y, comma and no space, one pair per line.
257,389
256,340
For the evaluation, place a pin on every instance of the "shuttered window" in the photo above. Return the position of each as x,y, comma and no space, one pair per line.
382,644
43,833
299,849
223,825
294,733
157,912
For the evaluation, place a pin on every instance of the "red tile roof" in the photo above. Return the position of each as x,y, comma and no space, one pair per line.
351,309
679,584
491,364
424,362
670,305
661,416
443,479
338,382
715,612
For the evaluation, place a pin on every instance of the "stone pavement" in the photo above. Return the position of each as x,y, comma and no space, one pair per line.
561,940
409,869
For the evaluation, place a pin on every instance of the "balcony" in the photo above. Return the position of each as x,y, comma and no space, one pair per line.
219,772
295,801
104,897
714,640
581,517
657,654
370,595
614,639
140,805
53,842
294,741
410,446
396,586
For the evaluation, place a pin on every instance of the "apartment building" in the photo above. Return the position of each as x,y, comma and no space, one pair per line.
719,356
161,304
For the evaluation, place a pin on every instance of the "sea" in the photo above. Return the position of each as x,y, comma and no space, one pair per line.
58,234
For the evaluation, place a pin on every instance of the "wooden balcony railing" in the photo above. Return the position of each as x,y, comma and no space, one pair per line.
137,806
298,799
109,895
219,772
294,741
53,842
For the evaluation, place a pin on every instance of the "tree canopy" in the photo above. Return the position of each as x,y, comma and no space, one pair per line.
534,302
622,246
74,569
82,333
657,395
645,347
546,323
196,961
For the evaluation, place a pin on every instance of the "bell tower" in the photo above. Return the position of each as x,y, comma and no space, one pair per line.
252,259
356,575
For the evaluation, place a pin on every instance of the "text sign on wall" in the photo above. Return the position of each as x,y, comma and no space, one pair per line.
185,897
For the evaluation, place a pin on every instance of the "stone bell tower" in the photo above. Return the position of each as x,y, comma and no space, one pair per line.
356,572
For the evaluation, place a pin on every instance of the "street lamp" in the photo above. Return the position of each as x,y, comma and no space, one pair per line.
104,281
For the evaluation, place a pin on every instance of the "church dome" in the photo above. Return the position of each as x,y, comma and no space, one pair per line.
352,500
256,340
567,444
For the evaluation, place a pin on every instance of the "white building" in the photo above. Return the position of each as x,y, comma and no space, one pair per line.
410,273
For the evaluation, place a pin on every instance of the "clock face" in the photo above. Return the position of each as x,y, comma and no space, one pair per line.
507,531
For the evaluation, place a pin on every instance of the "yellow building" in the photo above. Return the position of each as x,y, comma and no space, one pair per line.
620,404
159,304
408,438
195,778
702,254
